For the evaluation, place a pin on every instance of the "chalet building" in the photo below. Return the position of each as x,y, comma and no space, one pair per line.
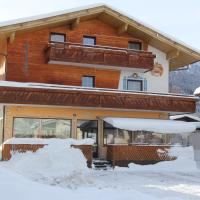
82,73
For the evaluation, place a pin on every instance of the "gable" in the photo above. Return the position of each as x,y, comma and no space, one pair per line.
178,54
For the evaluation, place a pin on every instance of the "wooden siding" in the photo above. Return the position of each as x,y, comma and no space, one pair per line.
26,57
3,54
8,149
122,155
96,98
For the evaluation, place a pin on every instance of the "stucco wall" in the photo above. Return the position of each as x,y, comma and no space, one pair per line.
158,84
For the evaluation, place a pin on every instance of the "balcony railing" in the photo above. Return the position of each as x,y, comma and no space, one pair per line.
55,95
78,54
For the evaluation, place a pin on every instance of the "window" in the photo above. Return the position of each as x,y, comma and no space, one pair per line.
41,128
88,40
58,37
88,81
114,135
135,45
136,85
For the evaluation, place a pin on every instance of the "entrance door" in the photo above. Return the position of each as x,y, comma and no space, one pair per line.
88,129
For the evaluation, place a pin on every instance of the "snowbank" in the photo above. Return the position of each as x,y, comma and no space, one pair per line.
54,164
70,141
184,162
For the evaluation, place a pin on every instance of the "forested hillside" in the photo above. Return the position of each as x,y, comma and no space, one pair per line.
185,81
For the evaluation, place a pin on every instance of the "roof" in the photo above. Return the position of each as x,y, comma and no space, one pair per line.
180,53
183,117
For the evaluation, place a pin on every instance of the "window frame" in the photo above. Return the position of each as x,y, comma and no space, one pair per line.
93,81
40,118
135,80
136,42
55,33
90,37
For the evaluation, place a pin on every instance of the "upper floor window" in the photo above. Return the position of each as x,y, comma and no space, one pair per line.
89,40
88,81
135,45
58,37
136,85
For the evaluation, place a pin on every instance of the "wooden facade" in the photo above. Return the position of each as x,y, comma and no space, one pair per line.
26,60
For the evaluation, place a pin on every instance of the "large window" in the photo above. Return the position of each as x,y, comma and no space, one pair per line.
114,135
89,40
88,81
41,128
58,37
135,45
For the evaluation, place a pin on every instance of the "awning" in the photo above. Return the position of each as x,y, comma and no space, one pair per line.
152,125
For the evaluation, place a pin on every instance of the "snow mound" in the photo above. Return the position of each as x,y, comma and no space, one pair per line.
184,162
70,141
56,164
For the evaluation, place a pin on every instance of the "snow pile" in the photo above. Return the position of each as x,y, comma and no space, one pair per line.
70,141
56,164
184,162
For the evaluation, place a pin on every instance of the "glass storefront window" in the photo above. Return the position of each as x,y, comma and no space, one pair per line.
114,135
41,128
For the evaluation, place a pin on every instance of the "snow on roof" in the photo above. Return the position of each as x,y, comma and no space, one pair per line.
47,15
152,125
197,91
78,88
57,13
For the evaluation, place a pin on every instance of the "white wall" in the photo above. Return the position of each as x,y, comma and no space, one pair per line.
158,84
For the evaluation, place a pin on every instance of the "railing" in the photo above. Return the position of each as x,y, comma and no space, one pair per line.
98,55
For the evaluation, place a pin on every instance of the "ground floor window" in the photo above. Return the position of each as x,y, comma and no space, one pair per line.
41,128
114,135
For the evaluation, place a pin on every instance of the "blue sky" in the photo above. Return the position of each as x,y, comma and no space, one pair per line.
179,18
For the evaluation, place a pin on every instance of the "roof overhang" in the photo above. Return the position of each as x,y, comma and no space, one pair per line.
178,53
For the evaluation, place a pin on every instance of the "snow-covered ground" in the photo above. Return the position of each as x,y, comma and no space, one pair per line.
60,172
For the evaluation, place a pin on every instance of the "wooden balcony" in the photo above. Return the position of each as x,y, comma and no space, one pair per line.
57,95
102,56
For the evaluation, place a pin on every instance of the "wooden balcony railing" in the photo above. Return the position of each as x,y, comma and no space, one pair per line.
95,55
44,94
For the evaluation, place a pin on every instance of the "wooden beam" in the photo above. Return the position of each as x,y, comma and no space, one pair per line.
12,37
172,54
75,24
122,29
